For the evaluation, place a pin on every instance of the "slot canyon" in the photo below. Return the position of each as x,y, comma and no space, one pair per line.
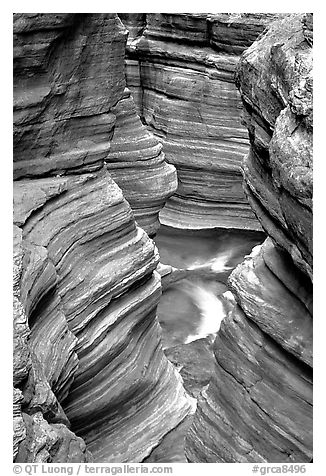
162,230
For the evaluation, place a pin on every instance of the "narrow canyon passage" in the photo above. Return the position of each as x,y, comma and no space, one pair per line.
162,235
192,307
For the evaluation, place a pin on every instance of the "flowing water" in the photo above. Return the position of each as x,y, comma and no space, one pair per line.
194,307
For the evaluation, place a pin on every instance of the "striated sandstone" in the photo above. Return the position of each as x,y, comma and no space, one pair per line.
180,69
87,341
35,438
137,164
99,314
258,405
278,297
71,116
62,118
88,360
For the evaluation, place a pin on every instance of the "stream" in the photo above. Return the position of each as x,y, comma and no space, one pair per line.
193,307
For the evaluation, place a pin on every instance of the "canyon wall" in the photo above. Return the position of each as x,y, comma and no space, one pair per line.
91,381
180,69
258,405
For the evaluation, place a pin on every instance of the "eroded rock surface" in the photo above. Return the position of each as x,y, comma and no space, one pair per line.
258,405
137,164
41,429
71,114
90,376
91,380
275,80
180,69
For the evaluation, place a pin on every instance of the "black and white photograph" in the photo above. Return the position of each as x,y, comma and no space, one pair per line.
162,241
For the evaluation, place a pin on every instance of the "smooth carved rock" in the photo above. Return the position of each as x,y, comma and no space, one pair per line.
266,299
36,439
106,292
62,118
258,405
180,70
87,344
85,286
137,164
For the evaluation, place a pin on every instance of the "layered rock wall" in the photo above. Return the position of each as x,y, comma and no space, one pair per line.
91,380
180,69
258,406
88,359
137,164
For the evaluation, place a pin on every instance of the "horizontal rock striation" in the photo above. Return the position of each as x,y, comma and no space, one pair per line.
137,164
63,91
71,116
90,374
180,69
258,405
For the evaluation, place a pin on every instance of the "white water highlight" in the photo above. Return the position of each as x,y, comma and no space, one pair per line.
216,264
211,308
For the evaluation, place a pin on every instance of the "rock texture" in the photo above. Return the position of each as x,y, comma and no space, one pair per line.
137,164
91,380
73,114
258,405
63,92
89,369
41,429
180,69
279,119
